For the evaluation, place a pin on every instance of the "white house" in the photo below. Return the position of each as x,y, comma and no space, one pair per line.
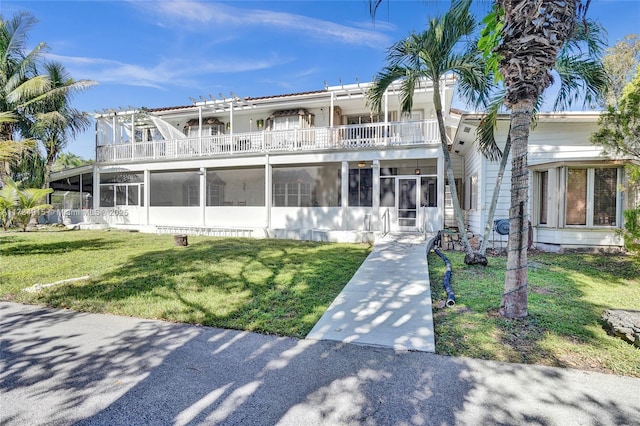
320,165
577,193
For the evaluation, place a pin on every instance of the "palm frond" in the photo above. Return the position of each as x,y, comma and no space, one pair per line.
485,133
580,78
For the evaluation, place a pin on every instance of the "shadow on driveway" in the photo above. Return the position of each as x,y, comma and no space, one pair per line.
62,367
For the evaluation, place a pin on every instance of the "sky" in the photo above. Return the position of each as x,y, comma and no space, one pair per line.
164,52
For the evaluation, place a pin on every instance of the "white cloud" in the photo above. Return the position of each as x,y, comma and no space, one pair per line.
195,15
172,72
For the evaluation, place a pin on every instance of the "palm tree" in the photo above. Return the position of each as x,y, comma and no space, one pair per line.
19,82
432,54
8,201
69,160
29,204
582,77
532,36
55,120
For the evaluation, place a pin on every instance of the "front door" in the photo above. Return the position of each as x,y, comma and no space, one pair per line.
407,203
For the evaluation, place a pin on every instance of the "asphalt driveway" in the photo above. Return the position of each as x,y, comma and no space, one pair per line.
62,367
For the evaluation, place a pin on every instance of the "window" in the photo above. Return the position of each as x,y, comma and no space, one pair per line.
429,188
360,188
472,193
387,192
576,211
121,189
215,194
591,197
543,194
604,197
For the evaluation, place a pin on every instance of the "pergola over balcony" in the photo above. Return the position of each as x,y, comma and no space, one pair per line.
336,118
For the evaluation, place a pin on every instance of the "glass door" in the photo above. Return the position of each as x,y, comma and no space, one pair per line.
407,203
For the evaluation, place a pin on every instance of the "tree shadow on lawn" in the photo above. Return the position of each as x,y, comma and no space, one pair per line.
564,326
269,286
25,248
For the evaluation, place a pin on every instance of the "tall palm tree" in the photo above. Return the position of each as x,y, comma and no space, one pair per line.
582,78
532,36
432,54
19,82
56,121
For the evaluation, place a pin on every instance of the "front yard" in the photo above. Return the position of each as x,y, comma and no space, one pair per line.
268,286
567,295
283,287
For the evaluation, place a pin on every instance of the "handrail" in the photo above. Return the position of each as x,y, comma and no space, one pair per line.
386,222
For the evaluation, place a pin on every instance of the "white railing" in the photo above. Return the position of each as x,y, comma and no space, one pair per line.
357,136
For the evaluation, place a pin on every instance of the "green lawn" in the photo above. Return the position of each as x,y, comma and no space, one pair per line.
283,287
268,286
567,295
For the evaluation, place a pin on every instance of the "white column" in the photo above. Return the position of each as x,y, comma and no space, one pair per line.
345,193
97,136
114,136
386,106
331,107
146,195
96,188
267,191
375,217
81,201
203,196
133,135
200,128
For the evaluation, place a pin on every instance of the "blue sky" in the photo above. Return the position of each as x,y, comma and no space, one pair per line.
161,53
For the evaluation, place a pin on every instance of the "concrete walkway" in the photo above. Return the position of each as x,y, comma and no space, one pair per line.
387,302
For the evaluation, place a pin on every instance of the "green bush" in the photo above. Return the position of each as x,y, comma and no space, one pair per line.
631,231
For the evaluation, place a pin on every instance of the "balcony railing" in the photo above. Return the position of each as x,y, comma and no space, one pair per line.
358,136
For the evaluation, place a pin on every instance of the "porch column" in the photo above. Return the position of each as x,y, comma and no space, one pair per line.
267,191
231,125
441,191
331,107
96,188
386,106
344,201
200,128
375,217
97,138
203,196
133,135
146,195
114,137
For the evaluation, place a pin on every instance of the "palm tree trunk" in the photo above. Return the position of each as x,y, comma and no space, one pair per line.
496,194
437,102
514,296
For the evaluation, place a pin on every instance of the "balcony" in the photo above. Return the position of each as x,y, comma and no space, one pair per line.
351,137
